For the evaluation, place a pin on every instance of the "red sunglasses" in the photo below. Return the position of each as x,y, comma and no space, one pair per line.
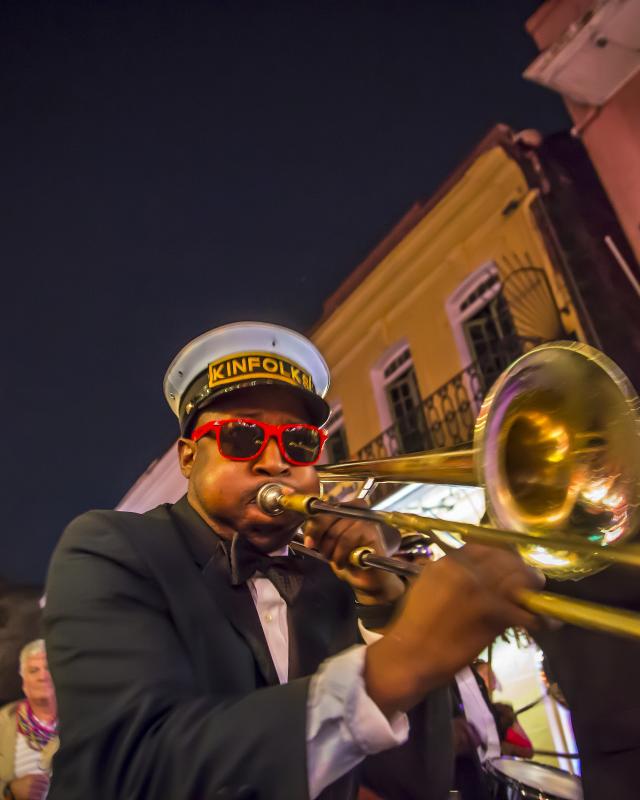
241,439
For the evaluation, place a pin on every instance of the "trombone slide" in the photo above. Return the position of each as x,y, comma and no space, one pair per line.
272,500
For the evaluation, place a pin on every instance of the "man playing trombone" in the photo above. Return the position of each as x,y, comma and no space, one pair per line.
195,655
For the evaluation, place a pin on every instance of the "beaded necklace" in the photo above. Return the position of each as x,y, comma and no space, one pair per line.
37,733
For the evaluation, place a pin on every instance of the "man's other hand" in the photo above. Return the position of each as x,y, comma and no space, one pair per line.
456,607
336,539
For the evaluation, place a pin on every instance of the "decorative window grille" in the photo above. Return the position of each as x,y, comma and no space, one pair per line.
405,404
336,448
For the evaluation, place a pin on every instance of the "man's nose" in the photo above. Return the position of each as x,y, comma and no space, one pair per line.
270,461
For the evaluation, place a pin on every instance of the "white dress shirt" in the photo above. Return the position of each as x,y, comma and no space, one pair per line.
478,714
344,725
27,761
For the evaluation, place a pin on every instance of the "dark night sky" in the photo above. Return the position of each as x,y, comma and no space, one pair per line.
171,166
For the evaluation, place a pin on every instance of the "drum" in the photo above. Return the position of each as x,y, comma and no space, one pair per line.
514,779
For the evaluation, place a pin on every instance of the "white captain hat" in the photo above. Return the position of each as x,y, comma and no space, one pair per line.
242,355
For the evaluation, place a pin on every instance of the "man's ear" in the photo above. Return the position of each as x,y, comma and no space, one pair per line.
187,450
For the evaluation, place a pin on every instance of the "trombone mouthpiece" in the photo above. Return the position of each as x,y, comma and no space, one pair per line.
268,499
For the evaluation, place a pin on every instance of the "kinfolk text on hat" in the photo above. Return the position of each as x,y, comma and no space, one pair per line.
241,355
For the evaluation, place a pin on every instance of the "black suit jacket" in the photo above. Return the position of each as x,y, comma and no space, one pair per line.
165,685
598,674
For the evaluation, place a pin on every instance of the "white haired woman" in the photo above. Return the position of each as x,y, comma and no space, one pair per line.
28,730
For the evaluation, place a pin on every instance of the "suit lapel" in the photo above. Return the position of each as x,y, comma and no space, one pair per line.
238,606
48,752
235,602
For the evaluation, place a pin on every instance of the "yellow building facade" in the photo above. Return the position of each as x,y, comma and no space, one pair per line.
478,237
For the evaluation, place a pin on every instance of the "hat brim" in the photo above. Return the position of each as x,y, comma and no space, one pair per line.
317,408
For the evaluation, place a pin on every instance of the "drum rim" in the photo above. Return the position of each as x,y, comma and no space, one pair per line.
506,779
546,767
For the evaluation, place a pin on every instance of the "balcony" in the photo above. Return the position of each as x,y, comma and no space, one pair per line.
446,418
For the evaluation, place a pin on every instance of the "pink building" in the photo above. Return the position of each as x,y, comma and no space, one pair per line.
590,54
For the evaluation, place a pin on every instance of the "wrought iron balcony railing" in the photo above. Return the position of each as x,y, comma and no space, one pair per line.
444,418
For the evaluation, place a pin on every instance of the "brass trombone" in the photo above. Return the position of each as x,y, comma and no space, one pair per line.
557,451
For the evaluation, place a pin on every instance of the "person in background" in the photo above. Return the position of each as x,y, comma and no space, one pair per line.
485,671
28,727
513,740
475,734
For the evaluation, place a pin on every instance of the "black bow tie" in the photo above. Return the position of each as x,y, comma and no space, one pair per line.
285,572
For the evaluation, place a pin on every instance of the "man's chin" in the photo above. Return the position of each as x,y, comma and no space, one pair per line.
267,541
269,533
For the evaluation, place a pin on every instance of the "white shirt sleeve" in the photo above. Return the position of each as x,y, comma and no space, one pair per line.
344,725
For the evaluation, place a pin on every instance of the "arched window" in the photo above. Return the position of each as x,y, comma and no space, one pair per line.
482,323
336,448
399,401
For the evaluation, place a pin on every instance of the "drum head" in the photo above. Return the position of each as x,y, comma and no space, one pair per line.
554,784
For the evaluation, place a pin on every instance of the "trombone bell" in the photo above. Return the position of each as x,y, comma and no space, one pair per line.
559,443
557,451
